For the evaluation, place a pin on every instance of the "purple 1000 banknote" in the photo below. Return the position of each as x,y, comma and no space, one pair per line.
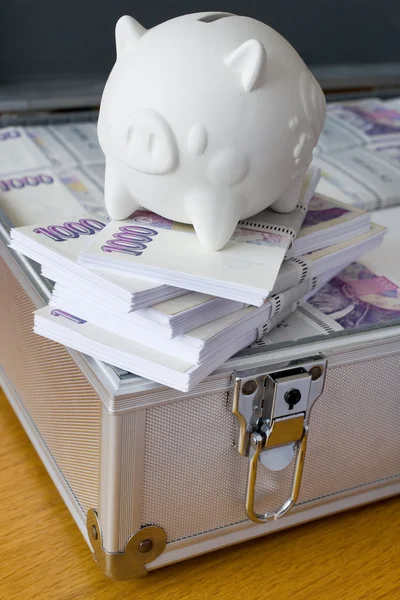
372,120
241,234
66,315
321,210
135,238
9,134
357,297
71,229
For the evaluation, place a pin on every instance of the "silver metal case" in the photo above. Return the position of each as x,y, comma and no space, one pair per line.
153,476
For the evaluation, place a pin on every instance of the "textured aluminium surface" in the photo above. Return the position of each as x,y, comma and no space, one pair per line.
194,478
56,395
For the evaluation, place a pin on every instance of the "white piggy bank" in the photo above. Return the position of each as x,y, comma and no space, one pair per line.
207,119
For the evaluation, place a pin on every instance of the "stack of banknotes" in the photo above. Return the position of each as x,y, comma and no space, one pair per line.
169,315
359,153
363,296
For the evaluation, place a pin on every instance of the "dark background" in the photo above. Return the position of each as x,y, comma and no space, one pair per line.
49,39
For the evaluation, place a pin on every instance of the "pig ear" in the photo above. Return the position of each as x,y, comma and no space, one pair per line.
248,60
127,33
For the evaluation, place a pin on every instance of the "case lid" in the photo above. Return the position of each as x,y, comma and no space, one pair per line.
58,55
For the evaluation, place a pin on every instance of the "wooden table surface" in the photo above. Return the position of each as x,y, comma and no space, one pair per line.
351,556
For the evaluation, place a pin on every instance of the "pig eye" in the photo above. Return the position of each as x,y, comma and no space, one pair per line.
197,140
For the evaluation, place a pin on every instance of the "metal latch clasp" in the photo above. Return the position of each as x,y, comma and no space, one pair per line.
273,411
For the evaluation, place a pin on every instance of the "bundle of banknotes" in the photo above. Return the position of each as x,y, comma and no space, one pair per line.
359,153
363,296
161,313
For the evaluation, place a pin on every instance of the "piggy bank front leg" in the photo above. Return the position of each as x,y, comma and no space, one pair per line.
214,214
289,200
119,202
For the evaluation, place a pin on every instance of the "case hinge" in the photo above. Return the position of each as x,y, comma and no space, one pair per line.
273,409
